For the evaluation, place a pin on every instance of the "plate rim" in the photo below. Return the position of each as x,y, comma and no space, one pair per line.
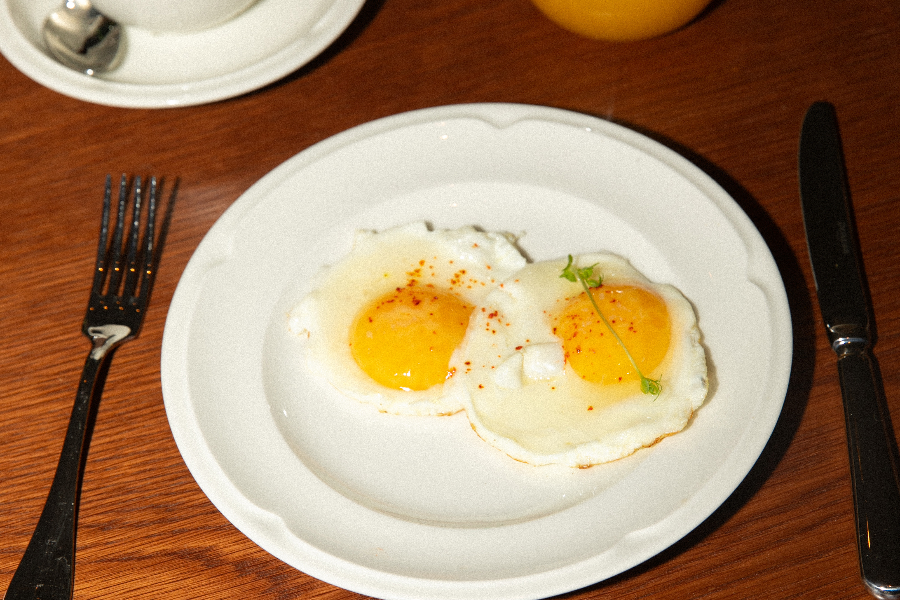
358,578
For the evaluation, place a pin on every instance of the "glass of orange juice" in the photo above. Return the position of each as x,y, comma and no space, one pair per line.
621,20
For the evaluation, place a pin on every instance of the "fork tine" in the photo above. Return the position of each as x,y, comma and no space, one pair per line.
115,250
100,266
131,260
149,241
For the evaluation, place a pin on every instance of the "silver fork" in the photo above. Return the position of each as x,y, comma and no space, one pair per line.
115,312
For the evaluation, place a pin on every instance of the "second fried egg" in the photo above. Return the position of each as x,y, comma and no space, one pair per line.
550,384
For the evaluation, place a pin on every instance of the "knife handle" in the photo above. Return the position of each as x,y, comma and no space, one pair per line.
873,468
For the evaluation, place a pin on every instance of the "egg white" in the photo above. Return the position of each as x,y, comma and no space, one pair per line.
526,401
378,263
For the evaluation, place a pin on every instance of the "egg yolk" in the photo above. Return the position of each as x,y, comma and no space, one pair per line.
639,317
404,339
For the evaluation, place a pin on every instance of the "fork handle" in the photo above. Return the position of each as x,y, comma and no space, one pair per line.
47,569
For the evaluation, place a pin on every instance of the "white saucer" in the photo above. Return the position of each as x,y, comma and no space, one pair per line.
268,41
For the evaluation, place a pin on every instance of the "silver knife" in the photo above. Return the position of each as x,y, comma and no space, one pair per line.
843,300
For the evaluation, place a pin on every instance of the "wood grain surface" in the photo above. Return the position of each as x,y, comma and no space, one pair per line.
728,92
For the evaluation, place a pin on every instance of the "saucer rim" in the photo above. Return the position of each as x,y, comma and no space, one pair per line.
33,61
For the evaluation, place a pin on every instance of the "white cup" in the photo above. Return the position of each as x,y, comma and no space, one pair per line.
177,16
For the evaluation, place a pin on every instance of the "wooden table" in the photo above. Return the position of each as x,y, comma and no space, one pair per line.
729,92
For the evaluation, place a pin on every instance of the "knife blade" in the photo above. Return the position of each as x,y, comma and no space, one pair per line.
843,301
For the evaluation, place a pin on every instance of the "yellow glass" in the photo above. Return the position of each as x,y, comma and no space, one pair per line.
621,20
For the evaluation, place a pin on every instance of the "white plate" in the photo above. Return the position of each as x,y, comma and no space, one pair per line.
268,41
420,508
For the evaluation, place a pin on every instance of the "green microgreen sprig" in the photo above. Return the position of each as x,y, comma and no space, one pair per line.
589,280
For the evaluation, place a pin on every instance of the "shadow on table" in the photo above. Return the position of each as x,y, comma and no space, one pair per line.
359,24
799,385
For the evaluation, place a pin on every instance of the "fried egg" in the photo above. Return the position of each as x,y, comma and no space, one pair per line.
548,382
382,324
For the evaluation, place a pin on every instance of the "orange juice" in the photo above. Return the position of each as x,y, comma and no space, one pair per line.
621,20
